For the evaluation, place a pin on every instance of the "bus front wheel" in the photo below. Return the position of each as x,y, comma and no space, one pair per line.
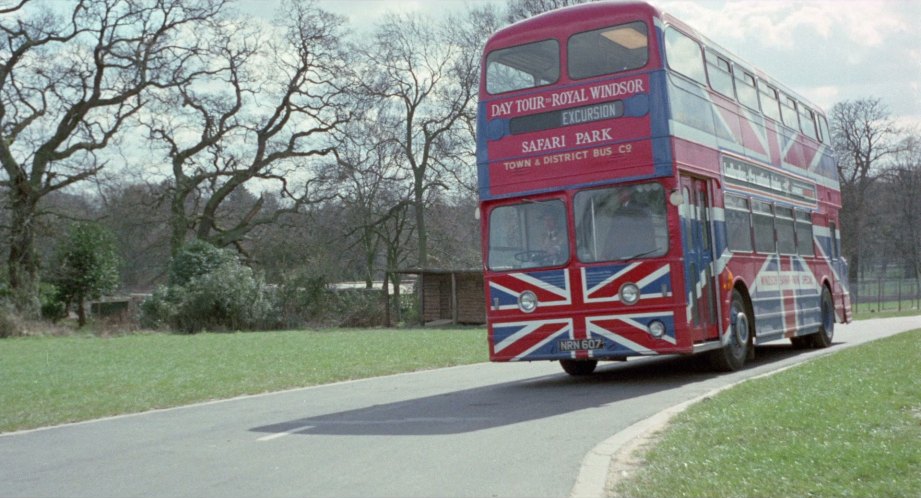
578,368
732,355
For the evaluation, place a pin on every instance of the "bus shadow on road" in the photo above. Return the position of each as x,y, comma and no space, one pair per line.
519,401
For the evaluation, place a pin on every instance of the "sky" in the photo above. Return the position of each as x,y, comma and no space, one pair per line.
825,50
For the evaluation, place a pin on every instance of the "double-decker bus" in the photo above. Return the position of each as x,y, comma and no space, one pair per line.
645,192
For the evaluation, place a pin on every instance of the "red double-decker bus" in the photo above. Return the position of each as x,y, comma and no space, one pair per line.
645,192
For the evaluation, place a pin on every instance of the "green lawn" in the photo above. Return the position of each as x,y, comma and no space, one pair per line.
52,380
847,424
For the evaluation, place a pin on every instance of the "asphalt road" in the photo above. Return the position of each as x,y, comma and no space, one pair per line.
480,430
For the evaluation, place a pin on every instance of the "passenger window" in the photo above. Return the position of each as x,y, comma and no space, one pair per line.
770,105
788,112
763,221
786,231
807,122
746,91
608,50
720,73
684,55
804,245
738,224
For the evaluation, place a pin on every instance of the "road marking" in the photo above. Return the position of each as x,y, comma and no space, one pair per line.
286,433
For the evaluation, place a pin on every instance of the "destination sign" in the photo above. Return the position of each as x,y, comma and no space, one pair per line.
566,117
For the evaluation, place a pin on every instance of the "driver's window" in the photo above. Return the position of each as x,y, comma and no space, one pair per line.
528,235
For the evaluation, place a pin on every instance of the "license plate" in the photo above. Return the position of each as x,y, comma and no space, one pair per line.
581,344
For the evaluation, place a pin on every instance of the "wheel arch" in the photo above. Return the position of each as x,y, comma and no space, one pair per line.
749,308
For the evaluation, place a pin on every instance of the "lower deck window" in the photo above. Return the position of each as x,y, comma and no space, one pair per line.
528,235
621,223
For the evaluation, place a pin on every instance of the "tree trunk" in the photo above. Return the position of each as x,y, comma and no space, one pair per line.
81,312
23,260
386,289
419,207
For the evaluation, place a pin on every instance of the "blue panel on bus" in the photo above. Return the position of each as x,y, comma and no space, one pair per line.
662,156
482,152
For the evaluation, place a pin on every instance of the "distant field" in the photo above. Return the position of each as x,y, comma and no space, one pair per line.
52,380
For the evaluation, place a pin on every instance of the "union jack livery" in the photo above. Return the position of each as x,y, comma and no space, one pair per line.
645,192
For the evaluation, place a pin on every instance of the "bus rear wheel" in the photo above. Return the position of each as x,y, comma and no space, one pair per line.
823,338
579,368
732,355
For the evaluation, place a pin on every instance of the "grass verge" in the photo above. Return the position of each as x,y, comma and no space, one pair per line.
53,380
847,424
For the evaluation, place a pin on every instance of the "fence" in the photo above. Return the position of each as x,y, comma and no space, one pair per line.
886,294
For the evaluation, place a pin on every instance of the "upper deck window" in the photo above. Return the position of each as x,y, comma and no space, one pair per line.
720,73
608,50
525,66
684,55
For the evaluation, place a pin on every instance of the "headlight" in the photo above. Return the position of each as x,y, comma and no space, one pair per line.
629,293
656,328
527,301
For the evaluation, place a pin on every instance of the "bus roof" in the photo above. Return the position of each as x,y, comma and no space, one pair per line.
586,16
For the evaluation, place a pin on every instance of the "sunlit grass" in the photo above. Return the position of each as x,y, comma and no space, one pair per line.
847,424
52,380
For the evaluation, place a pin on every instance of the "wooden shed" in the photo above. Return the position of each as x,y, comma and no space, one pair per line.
451,296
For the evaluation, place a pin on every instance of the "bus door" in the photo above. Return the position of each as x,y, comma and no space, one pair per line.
697,241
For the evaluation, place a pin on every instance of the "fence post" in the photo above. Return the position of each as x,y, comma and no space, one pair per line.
879,294
855,303
900,294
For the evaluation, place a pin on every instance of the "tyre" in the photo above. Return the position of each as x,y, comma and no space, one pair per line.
732,355
578,368
823,338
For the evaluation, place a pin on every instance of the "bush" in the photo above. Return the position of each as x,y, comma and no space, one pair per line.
53,305
358,307
301,299
197,258
229,297
209,289
11,324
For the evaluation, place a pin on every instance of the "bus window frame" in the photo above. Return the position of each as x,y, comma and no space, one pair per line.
746,75
769,92
727,206
811,128
569,73
767,213
708,54
784,231
803,217
702,79
789,104
550,83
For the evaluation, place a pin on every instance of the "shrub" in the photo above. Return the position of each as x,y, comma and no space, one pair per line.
301,299
229,297
85,266
53,304
197,258
11,324
358,307
209,288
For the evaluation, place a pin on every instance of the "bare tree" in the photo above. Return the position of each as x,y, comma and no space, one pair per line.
517,10
425,83
68,84
261,117
904,178
864,137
